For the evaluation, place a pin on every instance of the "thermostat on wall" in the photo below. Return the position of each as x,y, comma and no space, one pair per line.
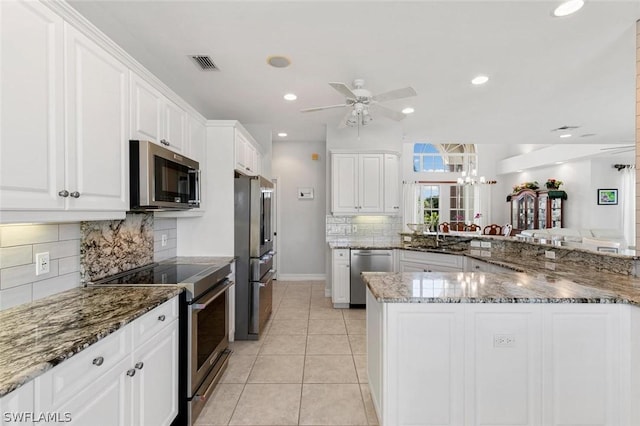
305,193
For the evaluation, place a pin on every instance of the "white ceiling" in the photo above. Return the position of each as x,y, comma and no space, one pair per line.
545,72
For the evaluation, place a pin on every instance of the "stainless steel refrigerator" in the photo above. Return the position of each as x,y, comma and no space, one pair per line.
254,255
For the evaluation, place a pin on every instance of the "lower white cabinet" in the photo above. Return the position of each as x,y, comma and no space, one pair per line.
129,378
416,261
340,278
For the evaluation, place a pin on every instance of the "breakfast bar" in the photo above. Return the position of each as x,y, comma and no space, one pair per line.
532,348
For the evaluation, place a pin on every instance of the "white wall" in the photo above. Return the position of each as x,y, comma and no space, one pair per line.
581,182
302,222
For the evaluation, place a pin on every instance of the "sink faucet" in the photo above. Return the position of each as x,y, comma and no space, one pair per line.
438,240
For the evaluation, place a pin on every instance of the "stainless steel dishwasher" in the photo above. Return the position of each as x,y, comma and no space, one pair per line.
367,261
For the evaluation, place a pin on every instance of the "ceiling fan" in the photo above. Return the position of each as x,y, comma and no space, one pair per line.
361,103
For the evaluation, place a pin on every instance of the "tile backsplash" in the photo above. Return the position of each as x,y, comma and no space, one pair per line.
371,229
168,227
19,245
112,246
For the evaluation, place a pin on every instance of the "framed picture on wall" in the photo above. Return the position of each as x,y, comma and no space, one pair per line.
607,196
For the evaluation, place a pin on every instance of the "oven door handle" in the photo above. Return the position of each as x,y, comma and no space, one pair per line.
213,296
268,277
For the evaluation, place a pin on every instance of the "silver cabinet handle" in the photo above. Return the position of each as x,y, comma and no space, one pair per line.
165,142
75,194
131,372
161,317
139,365
98,361
64,193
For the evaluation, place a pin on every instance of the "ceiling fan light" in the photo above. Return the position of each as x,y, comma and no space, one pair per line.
568,7
290,97
408,110
481,79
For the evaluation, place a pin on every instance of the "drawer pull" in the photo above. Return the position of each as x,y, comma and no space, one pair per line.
139,365
162,317
131,372
98,361
64,193
75,194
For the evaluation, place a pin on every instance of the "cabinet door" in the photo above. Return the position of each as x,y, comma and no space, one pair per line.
146,111
391,184
340,279
413,267
155,388
97,115
371,183
31,107
175,126
249,158
16,403
239,146
344,183
106,401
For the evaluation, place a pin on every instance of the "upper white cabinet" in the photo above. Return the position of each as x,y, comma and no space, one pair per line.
31,107
392,196
156,118
247,157
364,183
97,117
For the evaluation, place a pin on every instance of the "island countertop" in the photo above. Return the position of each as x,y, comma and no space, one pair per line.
37,336
501,287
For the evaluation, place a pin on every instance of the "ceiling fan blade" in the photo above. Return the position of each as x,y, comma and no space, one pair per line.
323,108
343,122
405,92
387,112
617,147
344,89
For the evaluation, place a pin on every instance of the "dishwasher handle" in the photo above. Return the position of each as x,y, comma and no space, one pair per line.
372,254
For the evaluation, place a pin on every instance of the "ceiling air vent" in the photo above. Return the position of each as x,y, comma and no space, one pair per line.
564,128
205,63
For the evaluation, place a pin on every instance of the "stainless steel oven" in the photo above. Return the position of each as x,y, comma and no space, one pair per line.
209,340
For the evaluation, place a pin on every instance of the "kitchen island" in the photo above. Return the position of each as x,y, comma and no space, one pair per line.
505,348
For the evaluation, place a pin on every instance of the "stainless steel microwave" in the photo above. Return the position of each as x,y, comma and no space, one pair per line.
161,179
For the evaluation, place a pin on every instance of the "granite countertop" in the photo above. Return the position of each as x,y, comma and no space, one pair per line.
37,336
503,287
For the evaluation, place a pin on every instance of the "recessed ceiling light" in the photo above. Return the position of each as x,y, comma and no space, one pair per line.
481,79
290,97
408,110
278,61
518,171
566,135
559,162
282,134
568,7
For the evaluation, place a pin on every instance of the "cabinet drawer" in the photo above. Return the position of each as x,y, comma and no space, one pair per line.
153,321
341,254
449,260
75,374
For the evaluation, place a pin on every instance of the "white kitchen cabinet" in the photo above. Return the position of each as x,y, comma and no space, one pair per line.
247,156
392,194
128,378
31,107
15,404
340,278
156,118
362,184
416,261
97,117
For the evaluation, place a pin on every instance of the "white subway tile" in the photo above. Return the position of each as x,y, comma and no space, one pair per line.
19,235
170,233
58,249
69,264
19,275
164,255
15,256
55,285
164,223
171,243
15,296
69,231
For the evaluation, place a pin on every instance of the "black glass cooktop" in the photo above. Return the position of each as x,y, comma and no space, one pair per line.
157,274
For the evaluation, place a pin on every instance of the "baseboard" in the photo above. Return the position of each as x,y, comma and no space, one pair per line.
327,292
301,277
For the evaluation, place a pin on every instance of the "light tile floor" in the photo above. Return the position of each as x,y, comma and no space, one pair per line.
308,368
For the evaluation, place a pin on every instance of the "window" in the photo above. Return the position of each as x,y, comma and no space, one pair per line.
430,199
443,158
458,202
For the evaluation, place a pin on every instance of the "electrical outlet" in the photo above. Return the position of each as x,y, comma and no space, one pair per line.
354,228
42,263
504,340
485,244
550,254
164,240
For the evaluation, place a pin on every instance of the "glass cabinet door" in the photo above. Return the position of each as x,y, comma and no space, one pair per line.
542,211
